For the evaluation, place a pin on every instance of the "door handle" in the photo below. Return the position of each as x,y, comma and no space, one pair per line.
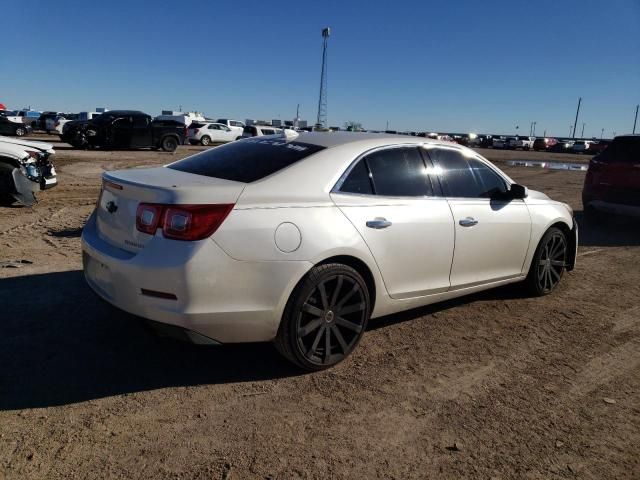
378,223
468,222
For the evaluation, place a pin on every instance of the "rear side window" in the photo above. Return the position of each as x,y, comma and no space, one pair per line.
622,150
250,131
246,161
196,125
394,172
358,180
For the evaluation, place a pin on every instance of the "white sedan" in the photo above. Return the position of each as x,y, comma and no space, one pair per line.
301,239
208,133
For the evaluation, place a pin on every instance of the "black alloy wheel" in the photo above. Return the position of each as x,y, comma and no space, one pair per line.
325,317
548,263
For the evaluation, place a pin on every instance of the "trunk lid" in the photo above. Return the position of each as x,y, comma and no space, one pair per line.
123,190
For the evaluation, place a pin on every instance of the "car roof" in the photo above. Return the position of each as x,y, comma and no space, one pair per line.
334,139
123,112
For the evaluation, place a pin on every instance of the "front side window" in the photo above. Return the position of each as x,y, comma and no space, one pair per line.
465,177
491,184
455,175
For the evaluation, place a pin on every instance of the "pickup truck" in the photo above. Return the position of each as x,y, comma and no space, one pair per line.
124,129
525,143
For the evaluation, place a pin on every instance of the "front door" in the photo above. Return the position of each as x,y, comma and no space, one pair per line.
389,198
492,233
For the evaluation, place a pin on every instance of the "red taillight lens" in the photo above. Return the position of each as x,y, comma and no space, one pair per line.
181,222
148,217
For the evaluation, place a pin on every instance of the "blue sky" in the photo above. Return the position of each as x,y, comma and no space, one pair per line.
420,65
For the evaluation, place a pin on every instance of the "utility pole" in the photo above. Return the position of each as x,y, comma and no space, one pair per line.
575,124
636,119
534,129
296,122
387,125
582,134
544,134
322,101
570,128
601,133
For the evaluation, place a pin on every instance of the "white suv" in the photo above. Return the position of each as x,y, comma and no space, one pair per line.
208,133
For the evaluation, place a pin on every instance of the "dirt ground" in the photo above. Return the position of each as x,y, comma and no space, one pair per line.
493,386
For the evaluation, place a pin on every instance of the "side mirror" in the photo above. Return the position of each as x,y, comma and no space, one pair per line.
517,191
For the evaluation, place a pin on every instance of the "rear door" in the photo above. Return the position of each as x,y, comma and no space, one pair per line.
389,198
141,131
491,235
120,132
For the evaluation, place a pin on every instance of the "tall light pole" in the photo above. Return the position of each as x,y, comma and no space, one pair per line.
534,129
601,133
322,101
570,128
575,124
636,119
582,134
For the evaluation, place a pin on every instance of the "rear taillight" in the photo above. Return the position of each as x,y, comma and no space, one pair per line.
181,222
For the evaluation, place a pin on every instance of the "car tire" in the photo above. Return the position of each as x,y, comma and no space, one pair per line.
548,263
169,144
21,132
325,317
205,140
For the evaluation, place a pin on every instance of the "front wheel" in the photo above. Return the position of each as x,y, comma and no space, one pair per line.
169,144
325,317
20,132
548,263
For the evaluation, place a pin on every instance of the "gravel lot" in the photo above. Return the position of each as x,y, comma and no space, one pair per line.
495,385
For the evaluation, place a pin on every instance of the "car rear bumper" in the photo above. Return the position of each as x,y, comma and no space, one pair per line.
195,286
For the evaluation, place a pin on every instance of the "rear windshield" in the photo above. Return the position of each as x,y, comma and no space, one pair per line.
246,160
197,125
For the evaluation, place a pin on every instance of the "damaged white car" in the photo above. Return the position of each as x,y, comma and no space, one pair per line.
25,168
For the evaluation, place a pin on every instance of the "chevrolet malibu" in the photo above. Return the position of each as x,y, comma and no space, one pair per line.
300,239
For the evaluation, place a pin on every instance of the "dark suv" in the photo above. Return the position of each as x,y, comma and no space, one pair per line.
612,183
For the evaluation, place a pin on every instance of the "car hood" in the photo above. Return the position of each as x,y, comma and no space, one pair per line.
43,147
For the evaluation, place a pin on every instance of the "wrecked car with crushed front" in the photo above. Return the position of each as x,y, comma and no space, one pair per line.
25,168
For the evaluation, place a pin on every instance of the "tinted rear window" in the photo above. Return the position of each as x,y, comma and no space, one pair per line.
196,125
247,160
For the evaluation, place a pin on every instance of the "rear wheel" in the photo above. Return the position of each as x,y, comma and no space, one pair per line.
325,317
205,140
169,144
548,263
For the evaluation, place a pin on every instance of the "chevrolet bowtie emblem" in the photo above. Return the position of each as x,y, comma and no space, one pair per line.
111,207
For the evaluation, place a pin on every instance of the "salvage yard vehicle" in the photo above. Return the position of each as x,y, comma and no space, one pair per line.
301,238
9,127
25,168
582,146
124,129
259,131
524,143
29,117
234,125
208,133
541,144
612,183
